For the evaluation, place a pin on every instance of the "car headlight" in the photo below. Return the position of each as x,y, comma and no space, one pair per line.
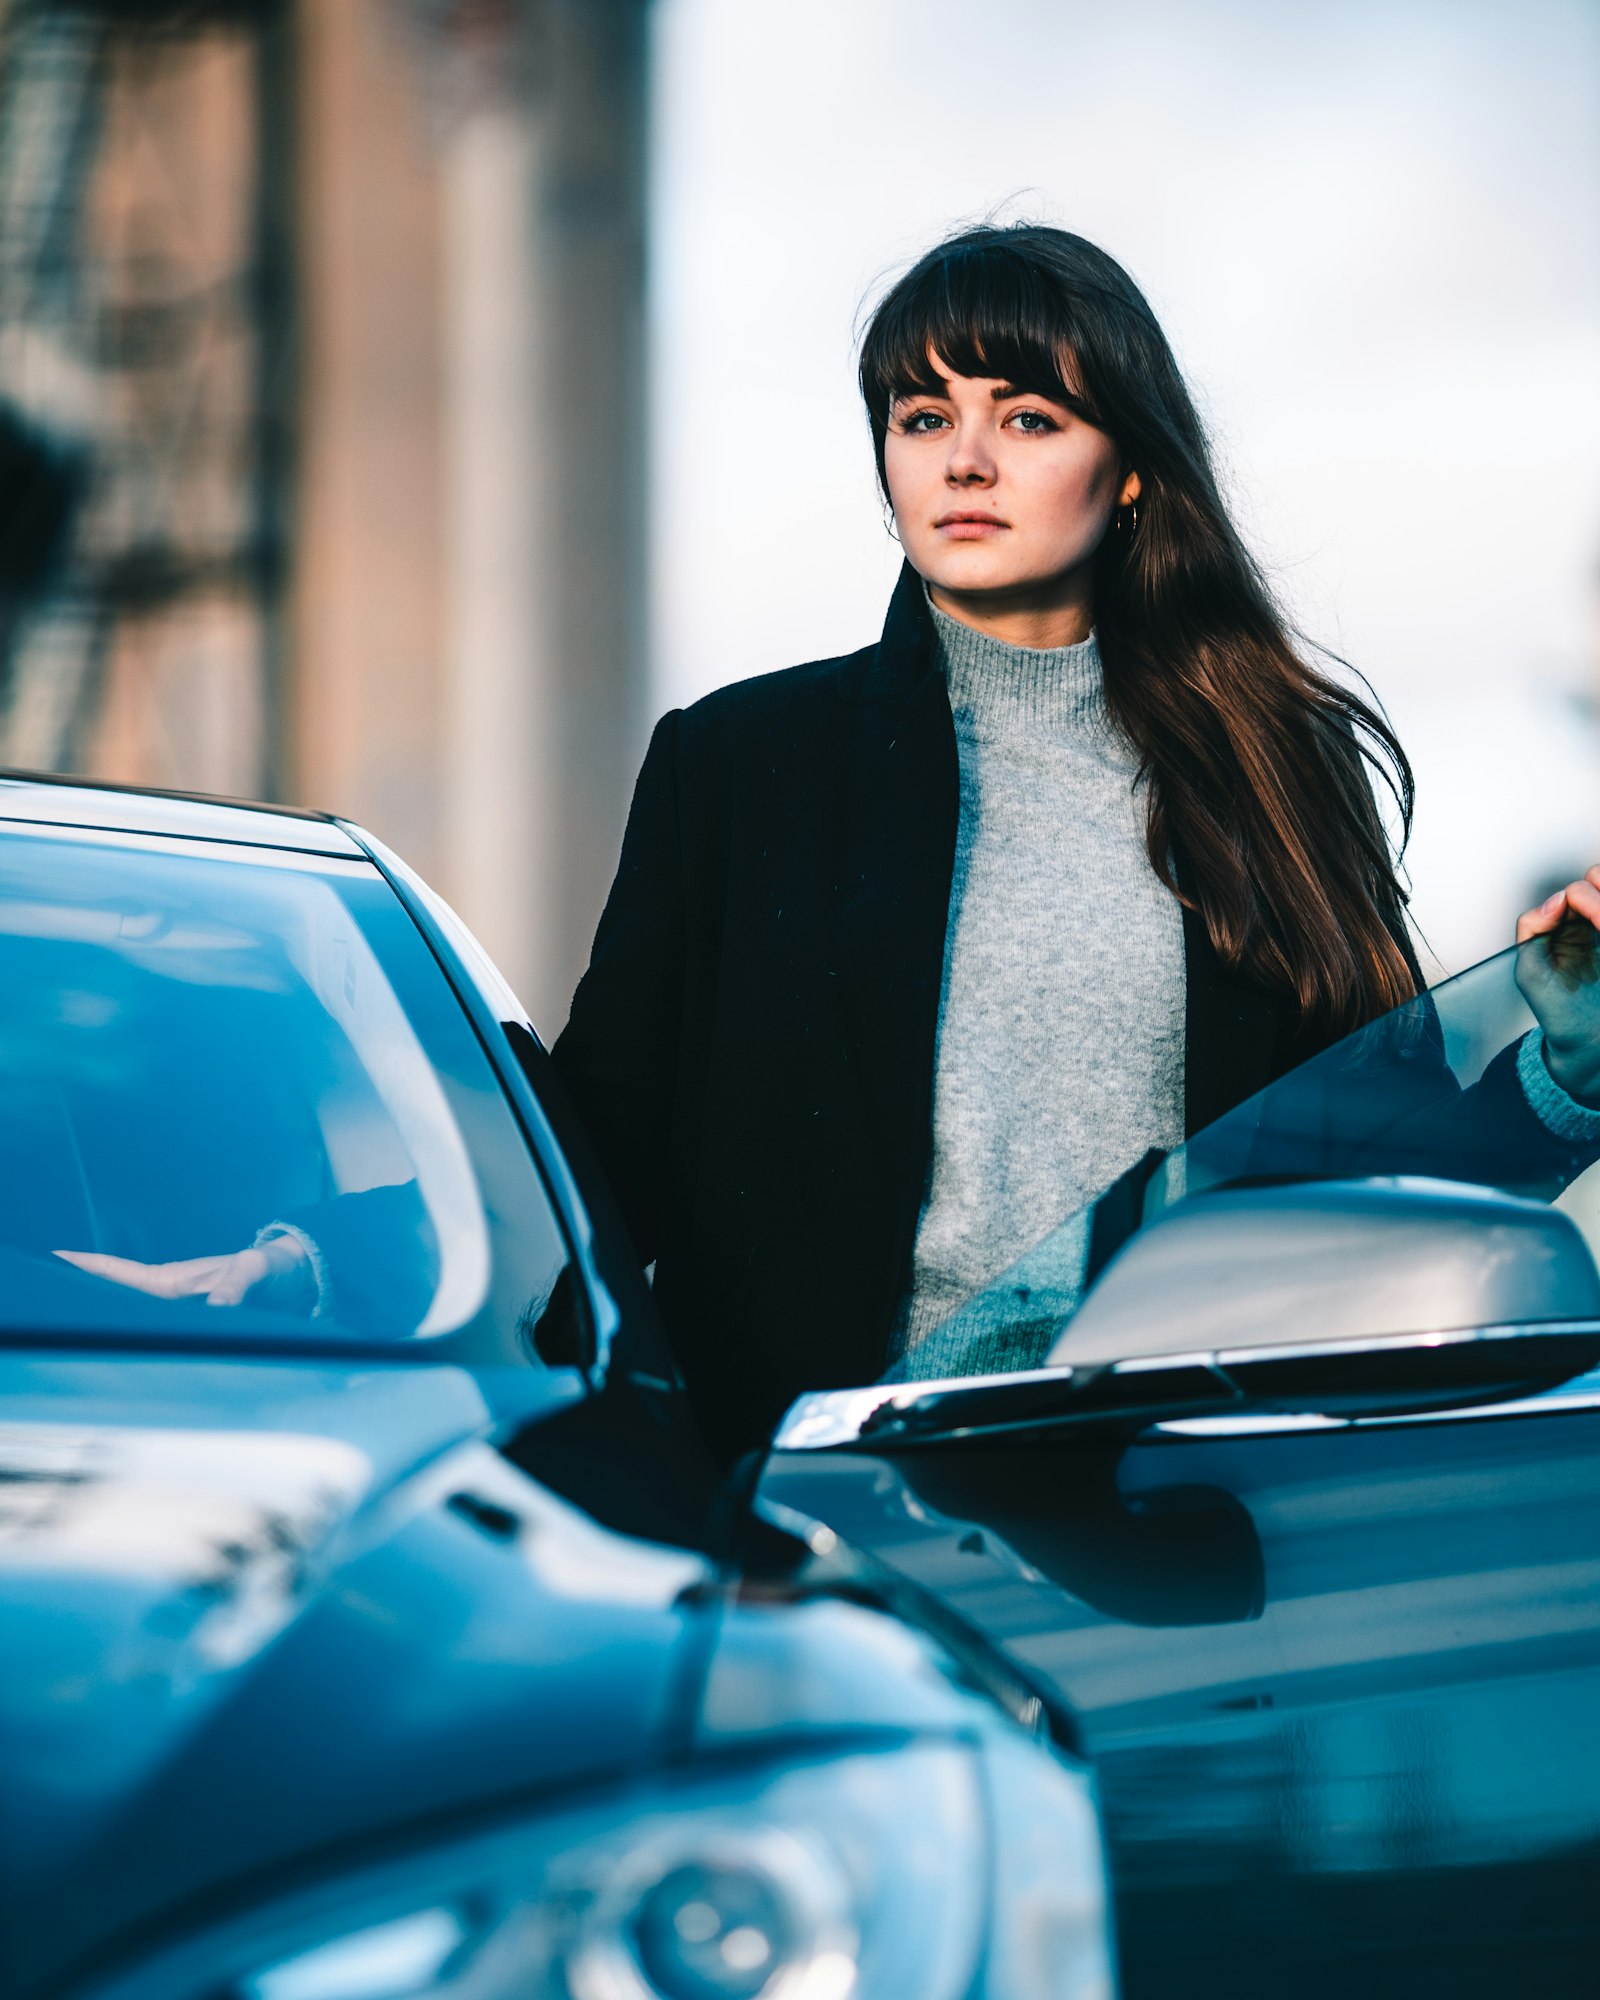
938,1869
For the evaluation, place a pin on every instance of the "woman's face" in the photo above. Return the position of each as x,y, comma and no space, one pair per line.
999,493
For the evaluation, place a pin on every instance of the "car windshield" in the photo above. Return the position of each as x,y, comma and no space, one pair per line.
207,1050
1452,1086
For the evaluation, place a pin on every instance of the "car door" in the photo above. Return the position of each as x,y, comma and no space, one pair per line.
1338,1665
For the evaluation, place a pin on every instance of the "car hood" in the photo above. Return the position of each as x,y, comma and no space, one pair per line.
254,1611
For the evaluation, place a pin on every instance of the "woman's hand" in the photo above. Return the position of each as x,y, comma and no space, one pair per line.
1558,971
276,1274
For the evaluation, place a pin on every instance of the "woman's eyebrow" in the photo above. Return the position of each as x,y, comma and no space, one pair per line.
1004,391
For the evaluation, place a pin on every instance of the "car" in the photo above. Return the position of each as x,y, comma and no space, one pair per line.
1293,1497
375,1624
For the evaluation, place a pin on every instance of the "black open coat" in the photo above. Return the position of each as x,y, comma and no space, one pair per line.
752,1047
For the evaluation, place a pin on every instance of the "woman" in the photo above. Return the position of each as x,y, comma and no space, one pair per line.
911,953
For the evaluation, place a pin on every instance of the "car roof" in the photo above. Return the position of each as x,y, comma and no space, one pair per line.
35,798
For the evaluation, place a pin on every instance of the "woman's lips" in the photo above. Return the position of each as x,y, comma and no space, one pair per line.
968,527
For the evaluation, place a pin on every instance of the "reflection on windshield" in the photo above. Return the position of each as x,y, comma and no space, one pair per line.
1456,1085
203,1054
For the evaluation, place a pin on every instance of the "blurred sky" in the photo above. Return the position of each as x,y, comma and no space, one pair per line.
1372,234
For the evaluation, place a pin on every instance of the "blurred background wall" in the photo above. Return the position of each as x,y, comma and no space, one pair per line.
323,424
354,452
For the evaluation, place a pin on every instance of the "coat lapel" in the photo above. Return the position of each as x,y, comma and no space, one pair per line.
1233,1030
902,795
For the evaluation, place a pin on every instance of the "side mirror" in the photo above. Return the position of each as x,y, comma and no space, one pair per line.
1333,1298
1312,1262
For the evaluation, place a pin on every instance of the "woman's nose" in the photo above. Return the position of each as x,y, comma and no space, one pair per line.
971,462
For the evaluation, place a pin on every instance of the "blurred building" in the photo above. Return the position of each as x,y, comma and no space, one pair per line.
322,360
322,424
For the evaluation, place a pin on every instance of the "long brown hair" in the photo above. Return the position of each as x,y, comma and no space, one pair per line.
1260,807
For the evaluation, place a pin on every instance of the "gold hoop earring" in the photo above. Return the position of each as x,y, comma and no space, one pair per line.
1130,524
888,522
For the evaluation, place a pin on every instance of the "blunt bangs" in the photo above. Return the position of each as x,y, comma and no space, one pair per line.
985,311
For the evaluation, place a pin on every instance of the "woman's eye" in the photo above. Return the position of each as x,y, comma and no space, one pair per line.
920,422
1034,422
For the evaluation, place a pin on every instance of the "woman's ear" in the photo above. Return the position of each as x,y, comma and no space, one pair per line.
1132,487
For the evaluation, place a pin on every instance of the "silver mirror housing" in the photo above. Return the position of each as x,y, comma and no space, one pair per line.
1325,1261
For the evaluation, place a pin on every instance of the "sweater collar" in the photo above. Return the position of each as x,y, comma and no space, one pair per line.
909,659
1043,690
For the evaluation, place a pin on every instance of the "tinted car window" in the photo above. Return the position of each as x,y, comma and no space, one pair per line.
208,1048
1451,1086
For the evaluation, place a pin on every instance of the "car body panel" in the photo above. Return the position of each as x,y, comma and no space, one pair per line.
234,1591
1287,1485
1341,1685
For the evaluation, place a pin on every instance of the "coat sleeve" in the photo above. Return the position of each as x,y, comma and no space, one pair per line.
1390,1102
1513,1127
619,1053
373,1253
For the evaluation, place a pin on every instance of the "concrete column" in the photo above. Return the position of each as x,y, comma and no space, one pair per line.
364,724
502,780
545,309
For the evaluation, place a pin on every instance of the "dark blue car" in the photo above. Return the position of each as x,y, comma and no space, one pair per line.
372,1625
1293,1495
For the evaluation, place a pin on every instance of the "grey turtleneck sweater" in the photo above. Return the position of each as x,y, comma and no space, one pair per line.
1060,1055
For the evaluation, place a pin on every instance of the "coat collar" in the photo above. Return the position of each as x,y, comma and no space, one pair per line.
1239,1035
1234,1031
906,656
